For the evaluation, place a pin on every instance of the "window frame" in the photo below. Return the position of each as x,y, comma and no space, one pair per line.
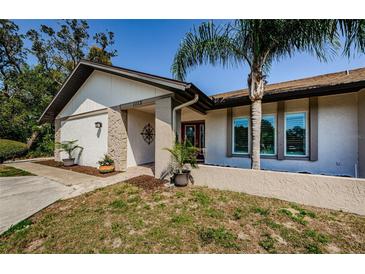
306,112
248,138
275,134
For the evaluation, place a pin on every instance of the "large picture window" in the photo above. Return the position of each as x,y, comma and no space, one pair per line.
296,134
268,136
240,135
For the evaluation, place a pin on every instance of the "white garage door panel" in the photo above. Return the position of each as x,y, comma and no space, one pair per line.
93,140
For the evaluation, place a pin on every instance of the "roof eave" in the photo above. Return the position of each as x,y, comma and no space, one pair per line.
294,94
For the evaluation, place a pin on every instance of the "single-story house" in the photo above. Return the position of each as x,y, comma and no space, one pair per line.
314,125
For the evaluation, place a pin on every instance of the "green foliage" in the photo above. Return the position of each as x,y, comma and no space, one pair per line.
183,154
214,213
261,211
319,237
106,161
181,219
17,227
218,236
118,204
299,218
237,214
303,211
247,41
313,248
268,243
201,197
69,147
26,90
8,171
11,149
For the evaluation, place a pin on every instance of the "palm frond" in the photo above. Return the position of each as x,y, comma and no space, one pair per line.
207,44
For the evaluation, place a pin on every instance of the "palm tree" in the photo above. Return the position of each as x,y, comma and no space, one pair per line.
257,43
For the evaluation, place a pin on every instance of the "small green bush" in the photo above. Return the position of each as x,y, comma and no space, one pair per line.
11,149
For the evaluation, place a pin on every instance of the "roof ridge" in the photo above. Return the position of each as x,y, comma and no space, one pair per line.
85,61
293,81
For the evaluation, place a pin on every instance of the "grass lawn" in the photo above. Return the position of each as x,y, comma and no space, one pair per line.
126,218
8,171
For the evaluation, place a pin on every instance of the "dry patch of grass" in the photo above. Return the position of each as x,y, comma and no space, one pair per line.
8,171
127,218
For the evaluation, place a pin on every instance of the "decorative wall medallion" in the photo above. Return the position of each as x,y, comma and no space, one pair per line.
148,133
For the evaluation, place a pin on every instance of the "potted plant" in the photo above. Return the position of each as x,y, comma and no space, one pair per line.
106,164
68,147
183,155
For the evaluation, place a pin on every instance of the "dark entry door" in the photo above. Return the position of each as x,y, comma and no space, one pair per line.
194,132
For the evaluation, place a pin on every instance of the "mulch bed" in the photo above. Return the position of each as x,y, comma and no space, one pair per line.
77,168
147,183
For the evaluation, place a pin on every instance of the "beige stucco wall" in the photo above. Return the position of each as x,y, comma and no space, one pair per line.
187,114
93,140
337,137
361,115
102,90
139,152
338,193
164,135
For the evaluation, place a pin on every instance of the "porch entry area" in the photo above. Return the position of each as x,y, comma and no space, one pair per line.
194,132
148,128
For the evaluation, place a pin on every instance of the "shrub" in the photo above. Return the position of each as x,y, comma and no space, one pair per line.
106,161
69,147
11,149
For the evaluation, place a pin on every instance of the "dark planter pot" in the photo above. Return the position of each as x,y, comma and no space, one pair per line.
182,179
68,162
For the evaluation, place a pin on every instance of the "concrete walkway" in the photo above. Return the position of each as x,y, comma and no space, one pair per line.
21,197
65,177
80,183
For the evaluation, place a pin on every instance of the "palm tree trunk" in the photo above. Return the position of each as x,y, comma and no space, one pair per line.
256,92
255,133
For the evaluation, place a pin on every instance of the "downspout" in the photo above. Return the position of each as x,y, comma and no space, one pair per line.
189,103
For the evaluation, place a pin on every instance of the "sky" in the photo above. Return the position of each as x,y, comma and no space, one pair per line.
150,45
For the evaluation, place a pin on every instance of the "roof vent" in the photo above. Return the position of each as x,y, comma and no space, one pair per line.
347,72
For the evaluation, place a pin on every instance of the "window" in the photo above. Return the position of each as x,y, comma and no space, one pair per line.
240,135
268,135
296,134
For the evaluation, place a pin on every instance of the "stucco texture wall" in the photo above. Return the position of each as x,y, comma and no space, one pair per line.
103,90
361,115
164,135
139,152
338,193
93,140
337,137
188,114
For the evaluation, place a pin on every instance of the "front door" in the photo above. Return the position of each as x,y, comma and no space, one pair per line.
194,132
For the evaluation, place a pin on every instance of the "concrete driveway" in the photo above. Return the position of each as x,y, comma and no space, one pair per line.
21,197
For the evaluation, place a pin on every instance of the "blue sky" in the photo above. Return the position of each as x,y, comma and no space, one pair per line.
150,45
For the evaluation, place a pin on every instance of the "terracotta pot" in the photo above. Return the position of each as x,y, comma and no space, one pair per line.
68,162
106,169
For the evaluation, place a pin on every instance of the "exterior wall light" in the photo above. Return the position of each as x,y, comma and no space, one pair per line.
98,124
